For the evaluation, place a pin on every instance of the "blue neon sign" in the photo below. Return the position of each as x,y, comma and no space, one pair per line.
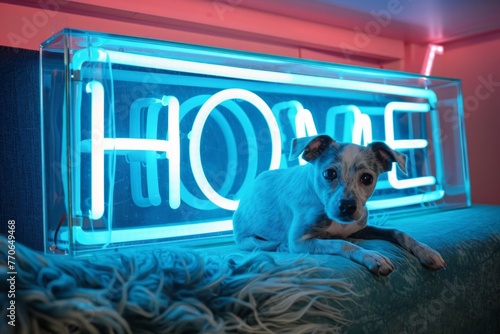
182,153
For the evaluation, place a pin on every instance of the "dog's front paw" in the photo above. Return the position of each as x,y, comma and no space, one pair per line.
429,257
377,263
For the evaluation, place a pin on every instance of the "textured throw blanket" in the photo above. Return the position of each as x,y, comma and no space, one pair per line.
169,291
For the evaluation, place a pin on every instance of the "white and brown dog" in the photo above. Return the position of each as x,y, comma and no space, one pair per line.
313,208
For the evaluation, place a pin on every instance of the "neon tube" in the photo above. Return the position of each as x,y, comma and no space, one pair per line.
405,144
123,146
76,102
277,109
304,125
174,154
171,147
195,140
366,125
153,189
301,121
390,108
92,54
405,201
356,124
232,151
97,155
147,233
409,183
430,54
253,155
153,106
232,157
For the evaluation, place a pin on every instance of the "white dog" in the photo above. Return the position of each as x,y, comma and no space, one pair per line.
312,208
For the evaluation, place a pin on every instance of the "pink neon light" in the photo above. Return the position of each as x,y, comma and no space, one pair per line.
432,50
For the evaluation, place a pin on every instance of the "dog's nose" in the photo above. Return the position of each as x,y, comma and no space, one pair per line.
347,207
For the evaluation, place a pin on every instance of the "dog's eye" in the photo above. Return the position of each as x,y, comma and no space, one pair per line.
330,174
366,179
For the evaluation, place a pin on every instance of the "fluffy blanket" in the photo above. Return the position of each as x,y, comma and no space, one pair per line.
168,291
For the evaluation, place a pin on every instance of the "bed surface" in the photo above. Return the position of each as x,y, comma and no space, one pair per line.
463,298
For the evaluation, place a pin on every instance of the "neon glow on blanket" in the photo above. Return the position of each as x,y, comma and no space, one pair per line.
160,144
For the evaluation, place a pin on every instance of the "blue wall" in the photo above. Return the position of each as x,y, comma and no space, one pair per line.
20,169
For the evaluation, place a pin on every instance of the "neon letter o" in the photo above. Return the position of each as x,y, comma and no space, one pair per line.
195,140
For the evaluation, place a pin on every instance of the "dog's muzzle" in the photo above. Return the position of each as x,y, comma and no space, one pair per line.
347,207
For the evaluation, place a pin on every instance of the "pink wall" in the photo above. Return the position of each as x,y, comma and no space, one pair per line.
477,63
29,22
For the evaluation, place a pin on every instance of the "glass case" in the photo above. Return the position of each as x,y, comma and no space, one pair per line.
146,141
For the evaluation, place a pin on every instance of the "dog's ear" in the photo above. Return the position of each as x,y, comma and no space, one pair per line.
311,147
386,156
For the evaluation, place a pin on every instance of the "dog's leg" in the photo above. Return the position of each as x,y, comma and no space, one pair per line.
374,261
255,242
426,255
